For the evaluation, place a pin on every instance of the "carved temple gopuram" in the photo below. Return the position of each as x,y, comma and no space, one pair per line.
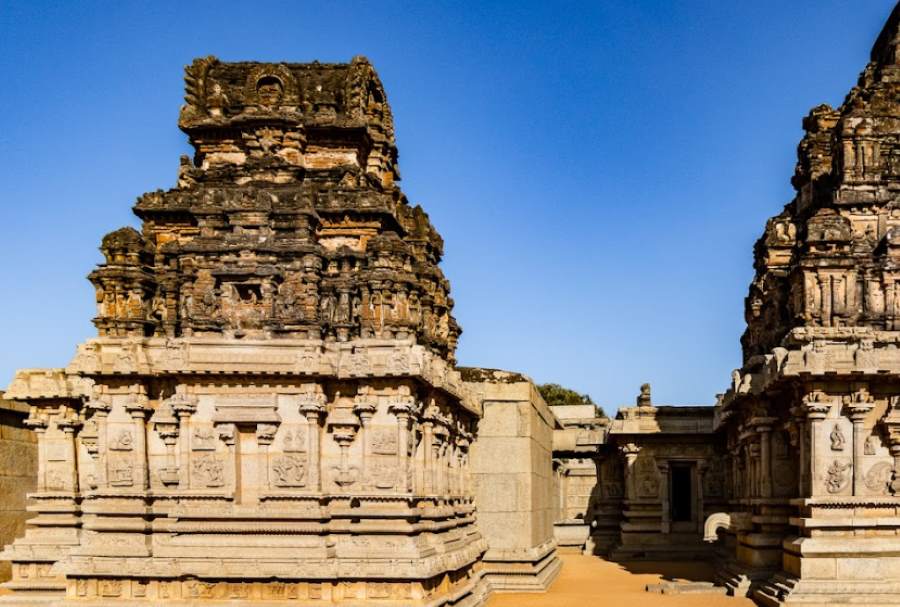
271,412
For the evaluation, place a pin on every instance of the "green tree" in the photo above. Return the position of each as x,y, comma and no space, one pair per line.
556,395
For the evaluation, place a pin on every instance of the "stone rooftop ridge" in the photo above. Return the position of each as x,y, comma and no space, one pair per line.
665,411
347,95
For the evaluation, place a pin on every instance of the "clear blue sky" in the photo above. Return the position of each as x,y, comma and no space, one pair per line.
599,171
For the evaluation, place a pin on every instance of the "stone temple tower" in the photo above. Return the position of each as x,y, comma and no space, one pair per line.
812,420
270,410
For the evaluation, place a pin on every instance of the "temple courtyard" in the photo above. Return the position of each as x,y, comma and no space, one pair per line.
272,412
585,580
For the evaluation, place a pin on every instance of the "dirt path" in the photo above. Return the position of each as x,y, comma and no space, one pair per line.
586,581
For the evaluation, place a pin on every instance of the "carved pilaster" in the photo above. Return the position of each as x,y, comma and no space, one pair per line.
100,408
817,407
763,426
630,452
313,407
69,427
403,410
184,407
364,408
858,406
138,409
441,436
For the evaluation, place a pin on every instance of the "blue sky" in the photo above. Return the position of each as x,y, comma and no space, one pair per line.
599,171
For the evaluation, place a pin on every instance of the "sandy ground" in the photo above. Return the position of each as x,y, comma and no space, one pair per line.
586,581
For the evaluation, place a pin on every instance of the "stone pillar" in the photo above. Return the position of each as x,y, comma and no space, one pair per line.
465,483
364,409
860,405
138,410
402,410
630,451
39,427
184,407
313,408
101,408
764,428
798,440
666,486
440,469
69,426
427,442
816,411
753,452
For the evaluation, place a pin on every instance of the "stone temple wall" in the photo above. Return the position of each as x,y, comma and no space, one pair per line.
18,472
811,421
512,476
270,410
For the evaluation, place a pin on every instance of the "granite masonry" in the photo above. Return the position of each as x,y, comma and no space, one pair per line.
811,422
272,412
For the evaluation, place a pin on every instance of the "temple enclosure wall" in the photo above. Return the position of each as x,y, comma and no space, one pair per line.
18,473
513,480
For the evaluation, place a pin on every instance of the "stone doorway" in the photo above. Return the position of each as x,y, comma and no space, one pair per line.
681,495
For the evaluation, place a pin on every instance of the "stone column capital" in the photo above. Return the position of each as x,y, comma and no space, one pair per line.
36,424
183,405
630,449
138,410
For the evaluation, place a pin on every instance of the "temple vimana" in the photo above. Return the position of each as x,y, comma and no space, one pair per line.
271,412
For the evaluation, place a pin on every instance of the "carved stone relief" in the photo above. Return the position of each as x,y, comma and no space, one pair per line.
289,471
837,478
209,470
878,478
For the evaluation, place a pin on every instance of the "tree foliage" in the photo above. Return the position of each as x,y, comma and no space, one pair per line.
556,395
